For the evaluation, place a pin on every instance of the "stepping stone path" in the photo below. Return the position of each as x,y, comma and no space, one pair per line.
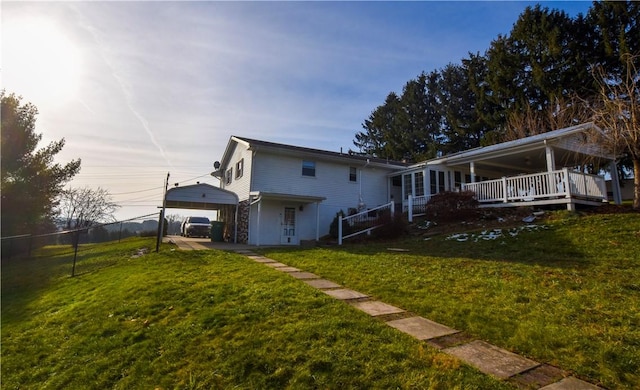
487,358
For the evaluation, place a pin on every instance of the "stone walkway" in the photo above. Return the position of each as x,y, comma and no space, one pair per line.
487,358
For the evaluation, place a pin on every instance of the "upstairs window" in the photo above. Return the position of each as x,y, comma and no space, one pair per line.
353,174
309,168
239,168
228,176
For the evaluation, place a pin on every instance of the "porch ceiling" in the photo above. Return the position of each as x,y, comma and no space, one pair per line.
530,160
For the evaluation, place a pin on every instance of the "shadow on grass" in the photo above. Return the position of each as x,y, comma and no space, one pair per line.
25,279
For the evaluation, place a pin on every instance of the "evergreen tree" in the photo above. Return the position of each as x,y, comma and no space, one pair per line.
378,138
31,181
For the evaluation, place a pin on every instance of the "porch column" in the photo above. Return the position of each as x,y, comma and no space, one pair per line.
551,161
472,170
258,223
551,166
317,221
615,182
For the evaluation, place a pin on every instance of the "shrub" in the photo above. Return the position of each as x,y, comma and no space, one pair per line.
333,228
392,226
448,206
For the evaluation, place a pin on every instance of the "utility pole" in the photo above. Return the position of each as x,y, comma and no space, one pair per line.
161,222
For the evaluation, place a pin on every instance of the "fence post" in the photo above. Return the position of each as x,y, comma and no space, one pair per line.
76,241
393,208
339,228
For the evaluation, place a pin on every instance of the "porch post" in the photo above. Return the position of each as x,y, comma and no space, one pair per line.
551,161
472,170
566,183
410,207
258,223
339,228
615,183
504,190
317,221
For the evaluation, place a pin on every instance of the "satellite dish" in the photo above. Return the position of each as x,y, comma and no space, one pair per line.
216,164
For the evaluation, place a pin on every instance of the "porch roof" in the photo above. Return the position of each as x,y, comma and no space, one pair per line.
199,197
528,155
286,197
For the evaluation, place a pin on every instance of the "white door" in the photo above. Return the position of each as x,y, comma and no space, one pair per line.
288,226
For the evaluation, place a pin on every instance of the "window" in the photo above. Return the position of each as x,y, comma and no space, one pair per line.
353,174
419,183
433,185
239,168
309,168
406,180
457,175
441,186
228,175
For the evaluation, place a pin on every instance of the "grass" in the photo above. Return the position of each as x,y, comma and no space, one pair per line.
568,295
197,320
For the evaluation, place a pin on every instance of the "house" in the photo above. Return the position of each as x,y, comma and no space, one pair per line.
287,194
539,170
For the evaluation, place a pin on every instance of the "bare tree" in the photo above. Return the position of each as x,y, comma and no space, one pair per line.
83,207
173,222
617,112
564,113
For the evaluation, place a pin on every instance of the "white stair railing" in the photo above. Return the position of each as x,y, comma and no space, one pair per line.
363,222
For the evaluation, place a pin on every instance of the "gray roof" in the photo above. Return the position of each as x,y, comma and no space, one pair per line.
301,150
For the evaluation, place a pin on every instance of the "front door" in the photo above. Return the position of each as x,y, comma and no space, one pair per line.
288,226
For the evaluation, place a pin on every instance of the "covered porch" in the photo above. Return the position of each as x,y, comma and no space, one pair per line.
544,169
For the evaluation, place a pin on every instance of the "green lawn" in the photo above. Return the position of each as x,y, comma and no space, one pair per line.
198,320
567,295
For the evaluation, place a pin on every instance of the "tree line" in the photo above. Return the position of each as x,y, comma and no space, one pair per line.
551,71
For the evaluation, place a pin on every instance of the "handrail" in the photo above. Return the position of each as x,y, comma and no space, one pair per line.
365,220
558,183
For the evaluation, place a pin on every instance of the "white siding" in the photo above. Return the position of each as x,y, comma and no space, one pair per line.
283,174
241,186
271,216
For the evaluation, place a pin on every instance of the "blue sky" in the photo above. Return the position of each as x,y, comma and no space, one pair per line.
139,89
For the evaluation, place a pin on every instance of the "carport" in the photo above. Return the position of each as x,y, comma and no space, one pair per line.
204,197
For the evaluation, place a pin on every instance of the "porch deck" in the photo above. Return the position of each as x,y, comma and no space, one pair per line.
546,188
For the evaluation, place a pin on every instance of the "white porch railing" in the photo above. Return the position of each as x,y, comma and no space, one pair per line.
362,222
545,185
415,206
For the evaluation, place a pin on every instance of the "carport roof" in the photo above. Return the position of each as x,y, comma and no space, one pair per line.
199,197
